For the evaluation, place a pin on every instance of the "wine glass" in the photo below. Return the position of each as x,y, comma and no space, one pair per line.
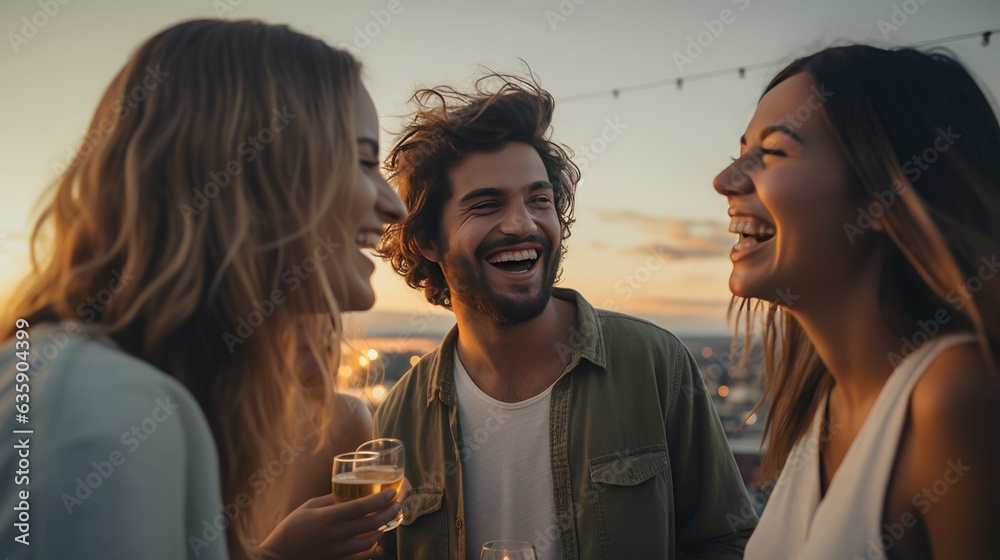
388,468
351,476
508,550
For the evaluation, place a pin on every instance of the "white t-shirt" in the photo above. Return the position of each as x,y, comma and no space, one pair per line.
506,469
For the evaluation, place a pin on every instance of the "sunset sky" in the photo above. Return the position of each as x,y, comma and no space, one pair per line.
650,237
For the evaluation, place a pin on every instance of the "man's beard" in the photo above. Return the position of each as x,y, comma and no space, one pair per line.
468,282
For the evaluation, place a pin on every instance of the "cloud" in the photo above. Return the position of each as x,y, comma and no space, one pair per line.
676,238
593,245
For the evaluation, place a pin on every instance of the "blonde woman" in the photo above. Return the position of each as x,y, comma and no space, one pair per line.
867,200
212,225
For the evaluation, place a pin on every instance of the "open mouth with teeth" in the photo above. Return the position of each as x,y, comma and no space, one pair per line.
518,261
752,229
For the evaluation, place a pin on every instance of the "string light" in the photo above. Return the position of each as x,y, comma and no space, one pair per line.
742,70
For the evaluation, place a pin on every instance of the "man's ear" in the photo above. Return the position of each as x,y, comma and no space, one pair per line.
429,249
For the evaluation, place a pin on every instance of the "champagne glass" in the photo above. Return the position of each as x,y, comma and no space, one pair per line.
388,467
351,477
508,550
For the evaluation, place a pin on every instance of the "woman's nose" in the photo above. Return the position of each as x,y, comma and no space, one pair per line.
735,178
388,205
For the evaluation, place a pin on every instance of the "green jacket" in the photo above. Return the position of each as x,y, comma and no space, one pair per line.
640,464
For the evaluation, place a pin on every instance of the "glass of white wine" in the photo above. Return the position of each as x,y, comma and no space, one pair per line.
388,467
508,550
352,477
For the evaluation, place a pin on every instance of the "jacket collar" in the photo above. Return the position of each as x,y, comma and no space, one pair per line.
586,342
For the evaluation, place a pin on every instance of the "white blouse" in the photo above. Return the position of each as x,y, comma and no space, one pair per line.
847,522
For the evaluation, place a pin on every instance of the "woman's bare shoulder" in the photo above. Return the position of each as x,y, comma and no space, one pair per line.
352,423
952,454
956,397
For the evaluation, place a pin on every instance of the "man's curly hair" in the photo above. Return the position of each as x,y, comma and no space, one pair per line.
448,126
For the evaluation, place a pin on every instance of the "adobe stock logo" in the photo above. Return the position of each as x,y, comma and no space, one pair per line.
598,144
31,26
366,33
913,168
248,151
564,10
87,484
899,17
714,28
120,109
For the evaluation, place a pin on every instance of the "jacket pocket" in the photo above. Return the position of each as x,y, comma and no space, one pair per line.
629,469
423,533
421,501
632,501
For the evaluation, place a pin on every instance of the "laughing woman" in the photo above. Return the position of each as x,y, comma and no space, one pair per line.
211,227
867,199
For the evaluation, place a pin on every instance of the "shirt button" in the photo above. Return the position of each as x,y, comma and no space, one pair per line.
458,523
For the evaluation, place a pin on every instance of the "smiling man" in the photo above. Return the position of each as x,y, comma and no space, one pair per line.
585,432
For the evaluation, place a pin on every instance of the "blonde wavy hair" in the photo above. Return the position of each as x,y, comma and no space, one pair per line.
214,165
940,223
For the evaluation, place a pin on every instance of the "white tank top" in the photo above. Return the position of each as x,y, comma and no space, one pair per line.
506,469
847,523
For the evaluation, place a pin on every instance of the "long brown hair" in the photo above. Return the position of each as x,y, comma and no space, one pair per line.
890,106
210,170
